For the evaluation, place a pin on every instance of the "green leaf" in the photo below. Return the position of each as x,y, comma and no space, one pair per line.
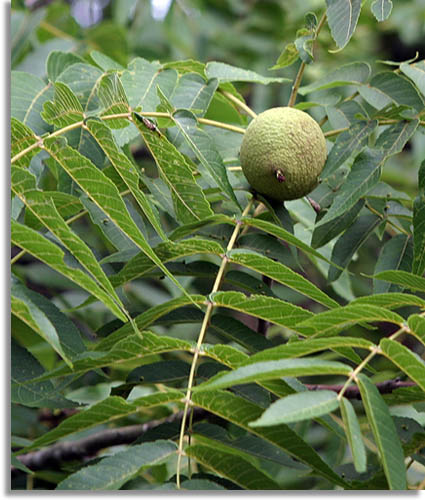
288,56
416,324
65,109
274,310
348,74
308,346
227,73
396,254
43,208
381,9
354,435
103,193
408,362
140,265
148,317
189,201
112,472
106,411
49,253
403,278
364,174
284,235
240,412
240,471
269,370
58,61
296,407
28,94
387,87
347,144
105,62
329,323
394,138
349,242
125,169
385,434
113,99
419,225
203,147
342,19
280,273
22,138
416,72
391,300
328,231
37,395
193,93
190,228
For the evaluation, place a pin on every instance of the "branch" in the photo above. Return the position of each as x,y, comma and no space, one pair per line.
87,447
353,391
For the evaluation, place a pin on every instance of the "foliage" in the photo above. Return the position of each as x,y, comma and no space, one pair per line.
155,295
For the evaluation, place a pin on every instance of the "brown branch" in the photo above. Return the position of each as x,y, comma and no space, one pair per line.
353,391
89,446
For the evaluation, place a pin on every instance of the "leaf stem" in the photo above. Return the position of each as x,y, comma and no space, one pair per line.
298,78
201,336
240,104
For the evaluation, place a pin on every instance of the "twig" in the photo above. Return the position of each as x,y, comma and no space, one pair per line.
87,447
204,327
353,391
240,104
298,78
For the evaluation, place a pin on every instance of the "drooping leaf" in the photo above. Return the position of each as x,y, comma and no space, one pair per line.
189,201
48,252
125,169
354,435
349,242
203,147
342,19
112,472
103,193
381,9
296,407
280,273
364,174
240,471
326,232
396,254
408,362
348,143
385,434
416,324
418,266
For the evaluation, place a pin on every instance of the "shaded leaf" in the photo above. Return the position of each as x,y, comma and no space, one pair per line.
227,73
112,472
394,138
381,9
416,72
385,434
342,19
296,407
418,266
354,435
403,278
65,109
408,362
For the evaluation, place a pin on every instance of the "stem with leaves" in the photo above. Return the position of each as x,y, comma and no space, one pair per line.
205,323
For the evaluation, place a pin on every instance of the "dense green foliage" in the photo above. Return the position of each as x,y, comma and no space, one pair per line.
171,328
